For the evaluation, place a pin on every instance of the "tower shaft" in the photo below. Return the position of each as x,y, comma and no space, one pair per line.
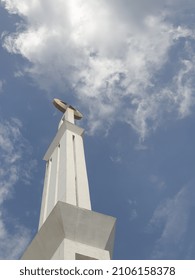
66,176
68,228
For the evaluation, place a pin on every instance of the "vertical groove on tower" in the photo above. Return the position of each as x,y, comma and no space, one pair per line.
75,170
47,189
57,174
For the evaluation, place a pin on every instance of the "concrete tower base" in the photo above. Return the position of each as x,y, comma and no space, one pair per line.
77,233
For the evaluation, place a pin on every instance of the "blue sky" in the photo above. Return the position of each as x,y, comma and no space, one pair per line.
128,66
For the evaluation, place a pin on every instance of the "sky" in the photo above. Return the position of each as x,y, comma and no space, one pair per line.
129,67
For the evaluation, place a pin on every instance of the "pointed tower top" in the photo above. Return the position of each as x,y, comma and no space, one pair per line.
68,228
63,106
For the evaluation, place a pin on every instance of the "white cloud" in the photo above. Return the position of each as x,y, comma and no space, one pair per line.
133,215
185,87
116,159
2,82
13,149
113,55
133,211
12,244
170,221
157,182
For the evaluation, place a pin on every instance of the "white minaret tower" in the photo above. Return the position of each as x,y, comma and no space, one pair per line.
68,228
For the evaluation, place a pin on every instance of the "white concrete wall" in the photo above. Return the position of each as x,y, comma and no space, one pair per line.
68,229
71,232
71,250
66,175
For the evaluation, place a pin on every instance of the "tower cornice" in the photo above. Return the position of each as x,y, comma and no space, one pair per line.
65,126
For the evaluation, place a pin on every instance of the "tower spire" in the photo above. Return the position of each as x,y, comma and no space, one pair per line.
68,228
66,175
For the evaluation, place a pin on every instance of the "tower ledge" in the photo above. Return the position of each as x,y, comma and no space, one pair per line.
71,232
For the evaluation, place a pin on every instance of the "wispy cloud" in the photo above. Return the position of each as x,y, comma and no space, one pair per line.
13,235
171,222
14,242
116,159
133,210
157,182
2,82
113,55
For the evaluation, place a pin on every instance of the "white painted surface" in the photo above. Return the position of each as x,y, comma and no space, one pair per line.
70,250
68,229
71,232
66,175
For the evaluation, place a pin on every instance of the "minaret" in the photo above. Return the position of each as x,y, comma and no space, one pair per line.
68,228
